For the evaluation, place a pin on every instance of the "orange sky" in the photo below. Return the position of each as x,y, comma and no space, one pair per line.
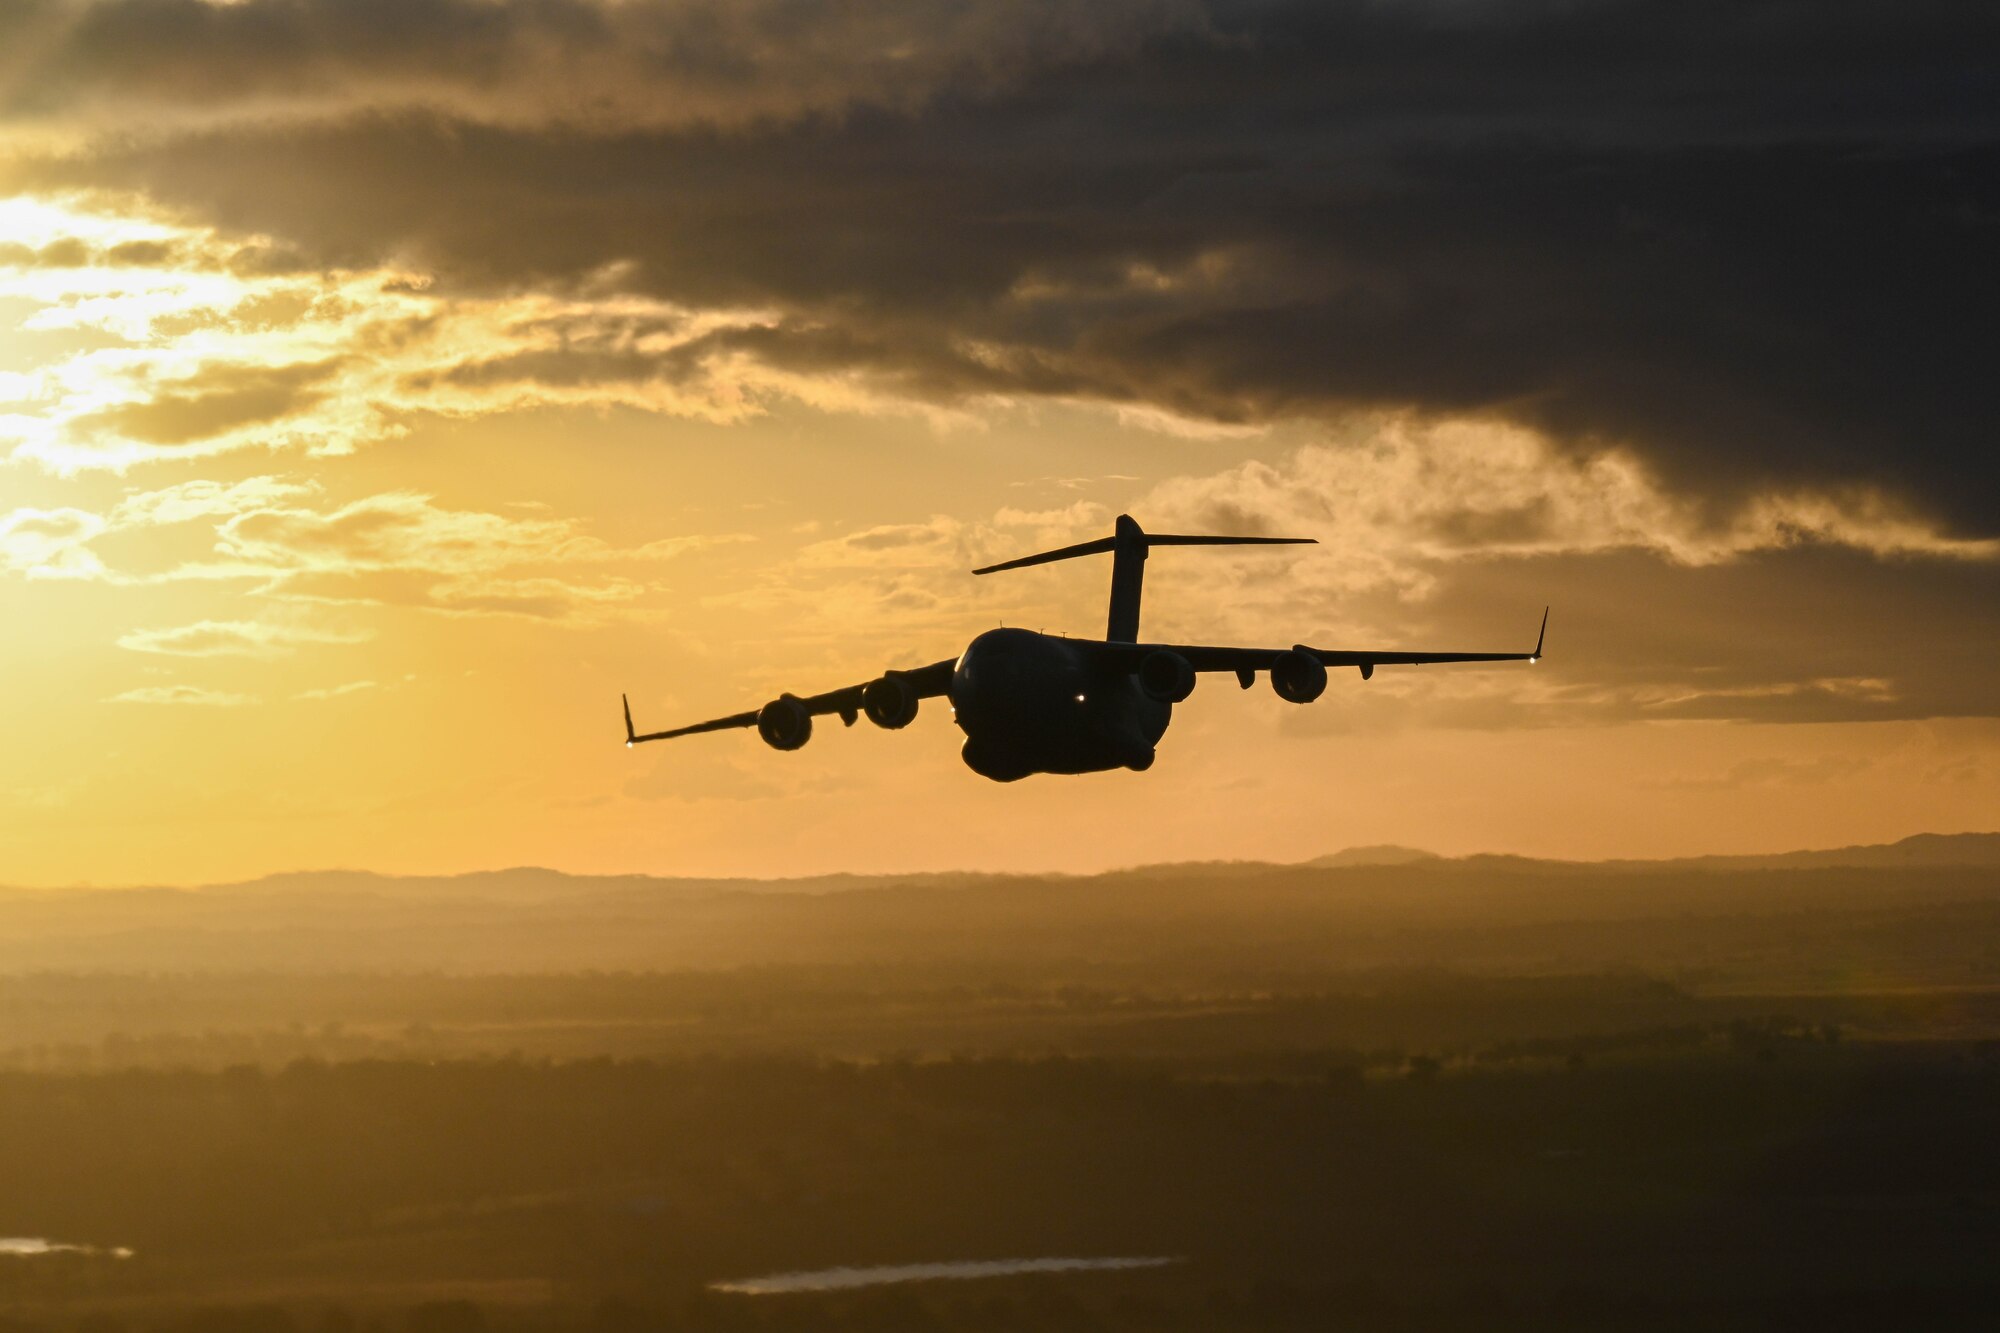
321,554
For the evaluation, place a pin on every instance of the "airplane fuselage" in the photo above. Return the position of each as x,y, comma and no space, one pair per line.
1036,703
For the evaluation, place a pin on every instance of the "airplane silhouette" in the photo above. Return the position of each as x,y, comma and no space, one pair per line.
1039,703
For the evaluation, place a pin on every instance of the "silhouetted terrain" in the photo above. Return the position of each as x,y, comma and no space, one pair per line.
1425,1094
1929,920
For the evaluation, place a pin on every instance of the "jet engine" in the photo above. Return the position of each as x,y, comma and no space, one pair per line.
1299,678
784,723
891,701
1166,677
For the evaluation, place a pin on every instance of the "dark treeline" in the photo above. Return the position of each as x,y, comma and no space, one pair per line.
94,1021
1776,1169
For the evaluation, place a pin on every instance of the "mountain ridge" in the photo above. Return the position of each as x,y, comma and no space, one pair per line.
529,883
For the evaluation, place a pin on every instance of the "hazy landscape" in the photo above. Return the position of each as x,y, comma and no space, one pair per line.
1490,437
1381,1090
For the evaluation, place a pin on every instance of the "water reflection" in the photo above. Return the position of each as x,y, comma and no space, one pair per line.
838,1279
28,1246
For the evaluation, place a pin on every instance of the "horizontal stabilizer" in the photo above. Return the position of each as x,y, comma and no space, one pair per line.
1171,539
1129,546
1098,547
1106,544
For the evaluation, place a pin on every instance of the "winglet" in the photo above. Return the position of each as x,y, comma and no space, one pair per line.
629,737
1536,656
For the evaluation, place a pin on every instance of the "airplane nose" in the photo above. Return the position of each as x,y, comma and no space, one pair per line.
969,695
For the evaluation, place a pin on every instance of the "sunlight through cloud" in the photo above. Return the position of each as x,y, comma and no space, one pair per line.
198,344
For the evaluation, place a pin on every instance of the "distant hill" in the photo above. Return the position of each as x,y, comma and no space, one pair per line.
1388,854
1232,922
1923,849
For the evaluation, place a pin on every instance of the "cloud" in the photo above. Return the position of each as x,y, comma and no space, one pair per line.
888,544
210,355
1404,494
213,354
1070,518
182,694
50,543
191,501
223,400
338,691
1792,634
403,549
1569,293
396,548
397,530
231,638
1608,222
586,62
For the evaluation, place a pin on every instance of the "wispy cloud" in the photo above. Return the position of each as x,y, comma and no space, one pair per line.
232,638
193,500
404,549
396,548
51,543
182,694
338,691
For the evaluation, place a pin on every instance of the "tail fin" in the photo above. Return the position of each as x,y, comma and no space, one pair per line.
1129,545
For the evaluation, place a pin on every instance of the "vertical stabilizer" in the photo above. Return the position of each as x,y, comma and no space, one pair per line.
1128,578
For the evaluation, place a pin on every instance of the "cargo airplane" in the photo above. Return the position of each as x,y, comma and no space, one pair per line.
1041,703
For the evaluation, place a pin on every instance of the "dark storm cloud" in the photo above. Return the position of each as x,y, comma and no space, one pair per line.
1754,241
1810,634
603,61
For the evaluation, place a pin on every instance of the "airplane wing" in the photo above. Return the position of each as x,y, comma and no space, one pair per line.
1246,662
922,683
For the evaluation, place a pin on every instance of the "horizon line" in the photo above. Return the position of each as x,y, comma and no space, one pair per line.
1407,856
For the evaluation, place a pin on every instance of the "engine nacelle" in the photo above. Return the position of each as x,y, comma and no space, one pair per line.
1299,678
891,701
784,723
1166,677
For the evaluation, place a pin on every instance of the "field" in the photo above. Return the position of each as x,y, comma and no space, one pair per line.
1478,1094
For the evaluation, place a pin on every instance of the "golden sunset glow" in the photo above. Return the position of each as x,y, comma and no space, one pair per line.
334,518
987,666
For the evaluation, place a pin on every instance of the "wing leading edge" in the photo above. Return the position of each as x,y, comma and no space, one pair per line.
1246,660
925,683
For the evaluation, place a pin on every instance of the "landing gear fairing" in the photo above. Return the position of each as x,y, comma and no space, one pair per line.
1039,703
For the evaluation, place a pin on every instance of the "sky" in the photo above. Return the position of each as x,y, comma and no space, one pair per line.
387,385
